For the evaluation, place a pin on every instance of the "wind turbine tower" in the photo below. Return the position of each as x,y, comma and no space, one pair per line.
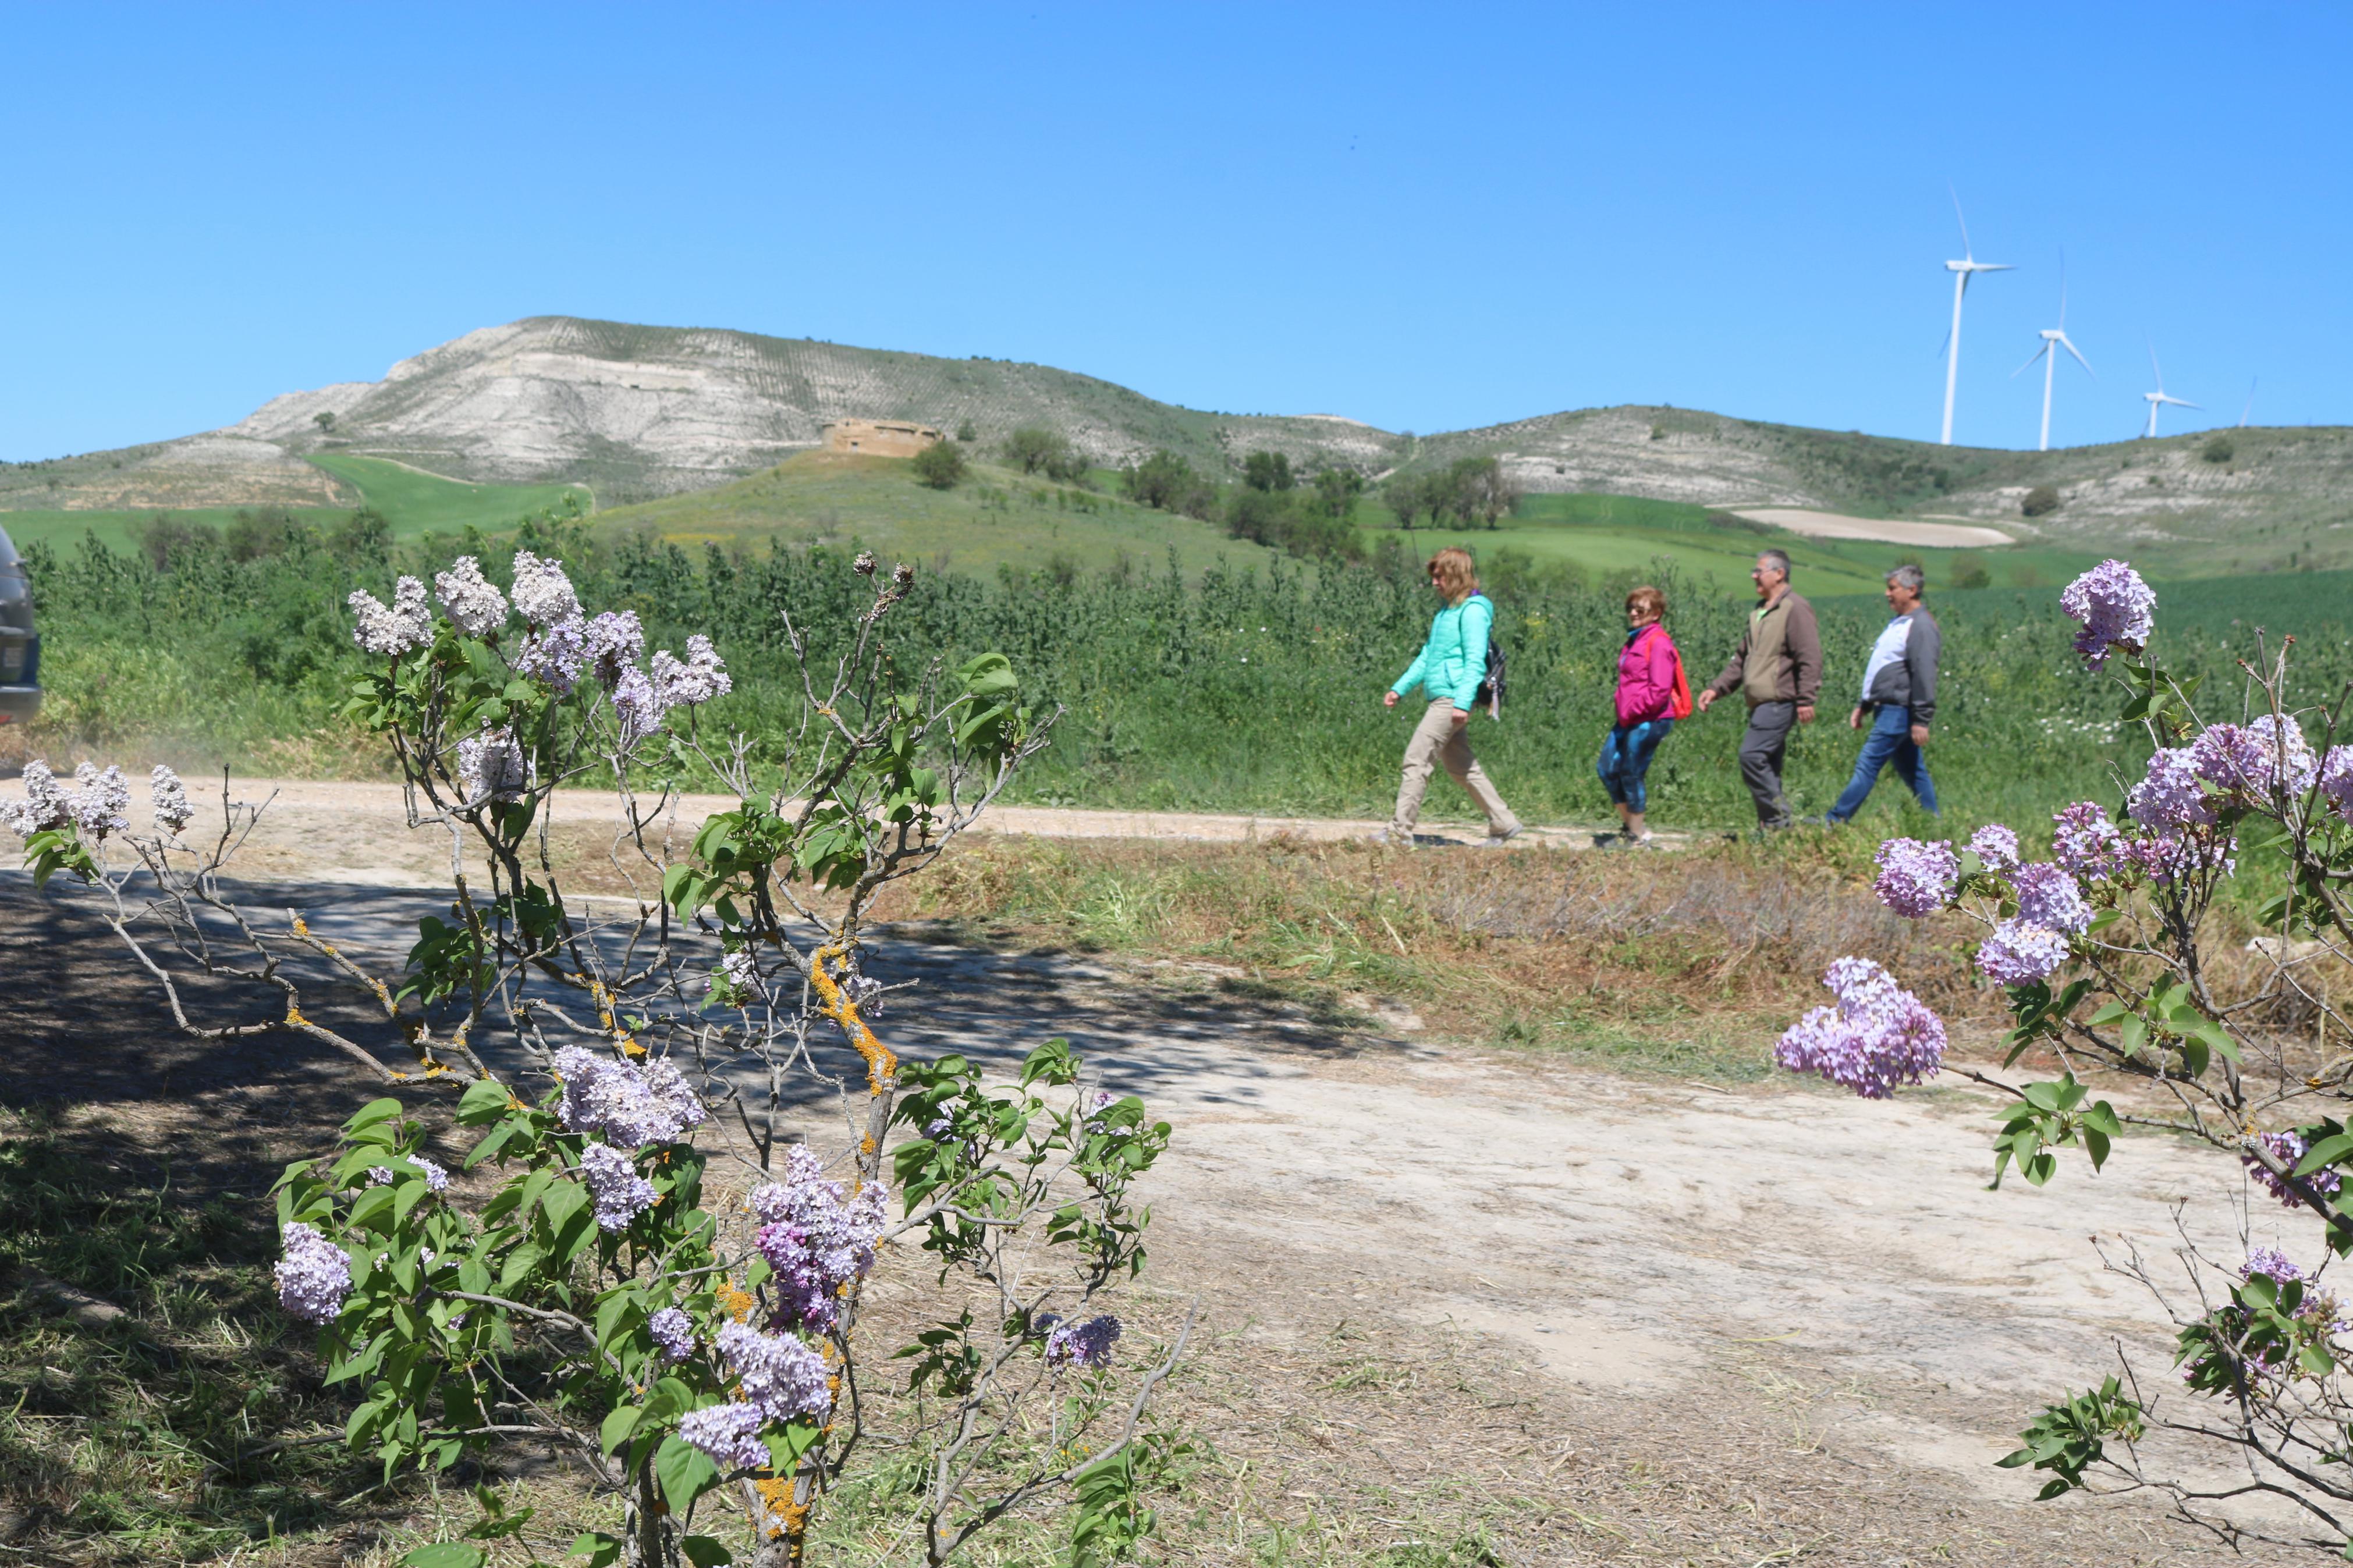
1962,270
2160,397
2053,340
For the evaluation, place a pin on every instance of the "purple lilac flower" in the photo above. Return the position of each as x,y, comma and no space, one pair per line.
638,704
780,1375
2287,757
2337,779
1916,879
2288,1148
2272,1263
167,798
614,641
674,1333
2113,606
437,1180
1995,847
554,654
381,1176
543,594
2084,841
103,803
476,606
631,1106
939,1127
816,1241
621,1193
2019,952
313,1276
729,1433
2169,797
2267,753
2170,856
1878,1036
2048,896
1086,1345
46,806
491,767
405,627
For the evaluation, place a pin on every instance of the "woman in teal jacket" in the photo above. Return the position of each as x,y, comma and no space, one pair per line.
1449,669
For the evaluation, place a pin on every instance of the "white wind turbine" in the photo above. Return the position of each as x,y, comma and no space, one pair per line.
1961,270
2160,397
2053,340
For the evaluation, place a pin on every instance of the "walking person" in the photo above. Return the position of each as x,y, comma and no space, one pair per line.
1653,693
1448,668
1899,696
1777,668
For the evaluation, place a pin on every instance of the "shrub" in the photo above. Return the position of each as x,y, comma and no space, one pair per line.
1968,571
2219,449
1163,479
1268,472
1033,447
940,465
967,434
2040,501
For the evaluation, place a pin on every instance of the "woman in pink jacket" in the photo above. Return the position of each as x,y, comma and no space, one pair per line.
1651,695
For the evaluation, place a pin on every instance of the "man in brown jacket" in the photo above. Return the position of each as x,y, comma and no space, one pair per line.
1779,669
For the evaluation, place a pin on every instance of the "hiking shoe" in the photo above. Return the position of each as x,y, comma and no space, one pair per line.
1606,841
1497,840
1394,840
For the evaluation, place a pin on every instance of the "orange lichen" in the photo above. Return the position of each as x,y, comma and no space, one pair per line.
738,1304
882,1067
776,1497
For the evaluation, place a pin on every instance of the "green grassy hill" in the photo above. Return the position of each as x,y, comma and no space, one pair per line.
994,518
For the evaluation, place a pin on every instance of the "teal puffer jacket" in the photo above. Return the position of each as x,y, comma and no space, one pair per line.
1453,662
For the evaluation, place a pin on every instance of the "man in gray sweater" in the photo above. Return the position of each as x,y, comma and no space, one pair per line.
1777,668
1899,697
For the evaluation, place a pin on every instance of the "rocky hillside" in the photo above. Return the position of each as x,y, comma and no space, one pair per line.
640,412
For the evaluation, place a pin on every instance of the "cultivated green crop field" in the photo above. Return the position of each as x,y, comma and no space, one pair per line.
115,530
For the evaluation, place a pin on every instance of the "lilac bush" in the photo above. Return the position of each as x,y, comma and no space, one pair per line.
2111,956
1876,1036
593,1289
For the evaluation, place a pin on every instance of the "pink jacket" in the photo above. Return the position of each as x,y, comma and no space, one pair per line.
1646,676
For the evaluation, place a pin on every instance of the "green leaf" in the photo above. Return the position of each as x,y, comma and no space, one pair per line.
2327,1152
703,1551
375,1205
483,1101
618,1426
670,1399
562,1201
684,1470
2134,1035
786,1447
446,1554
374,1111
601,1550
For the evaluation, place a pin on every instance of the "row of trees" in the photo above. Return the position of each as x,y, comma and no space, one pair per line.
1470,492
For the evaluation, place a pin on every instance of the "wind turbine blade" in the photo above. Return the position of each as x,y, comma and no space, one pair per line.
2037,354
1964,222
2250,406
1991,267
2185,402
2079,355
2155,369
2062,302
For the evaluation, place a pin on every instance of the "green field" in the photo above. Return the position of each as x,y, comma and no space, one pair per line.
994,518
415,503
1606,536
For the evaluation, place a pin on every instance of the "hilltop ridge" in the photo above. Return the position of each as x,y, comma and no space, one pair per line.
637,412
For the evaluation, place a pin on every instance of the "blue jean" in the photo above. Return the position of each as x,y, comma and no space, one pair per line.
1626,757
1889,740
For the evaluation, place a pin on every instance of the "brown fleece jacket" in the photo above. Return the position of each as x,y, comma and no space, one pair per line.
1779,658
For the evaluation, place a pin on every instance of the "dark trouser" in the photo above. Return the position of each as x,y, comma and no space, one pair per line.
1761,751
1625,758
1889,740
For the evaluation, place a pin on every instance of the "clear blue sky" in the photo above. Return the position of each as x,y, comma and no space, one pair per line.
1428,217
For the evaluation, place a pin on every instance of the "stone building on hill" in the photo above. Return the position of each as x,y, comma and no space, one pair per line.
878,437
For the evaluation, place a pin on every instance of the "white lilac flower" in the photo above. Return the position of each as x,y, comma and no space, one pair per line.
1086,1344
697,680
2019,952
2114,607
815,1240
436,1179
103,803
621,1194
2289,1149
382,1175
543,594
167,797
780,1375
631,1106
405,627
1877,1036
476,606
313,1276
2048,896
614,641
491,767
674,1333
1916,879
740,972
46,806
2168,796
555,654
729,1433
2084,841
1995,847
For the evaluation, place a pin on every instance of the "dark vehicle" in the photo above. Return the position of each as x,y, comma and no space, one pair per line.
20,648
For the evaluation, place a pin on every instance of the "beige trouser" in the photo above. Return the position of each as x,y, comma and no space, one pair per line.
1438,738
